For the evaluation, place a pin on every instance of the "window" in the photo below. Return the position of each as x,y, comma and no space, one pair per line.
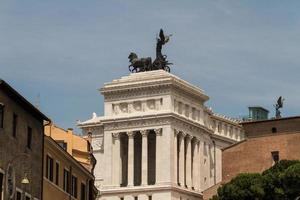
57,173
1,185
18,195
135,198
82,192
49,165
66,185
149,197
74,186
27,197
29,137
15,123
62,144
274,130
275,156
1,116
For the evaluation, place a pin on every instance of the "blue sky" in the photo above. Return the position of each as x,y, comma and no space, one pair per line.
240,52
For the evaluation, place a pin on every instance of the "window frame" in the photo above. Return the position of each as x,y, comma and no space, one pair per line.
2,111
29,137
74,193
15,125
57,172
49,172
83,195
66,180
2,184
18,190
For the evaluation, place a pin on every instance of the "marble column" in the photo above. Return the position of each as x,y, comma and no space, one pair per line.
175,156
130,157
188,162
181,159
144,156
158,155
116,160
194,163
198,181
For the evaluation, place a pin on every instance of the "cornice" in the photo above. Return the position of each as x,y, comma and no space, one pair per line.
136,85
148,190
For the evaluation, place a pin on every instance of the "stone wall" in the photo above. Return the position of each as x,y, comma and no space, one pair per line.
11,147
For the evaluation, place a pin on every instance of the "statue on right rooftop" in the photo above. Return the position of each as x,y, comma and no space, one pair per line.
278,106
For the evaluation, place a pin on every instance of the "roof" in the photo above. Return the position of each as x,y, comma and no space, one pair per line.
270,120
258,107
22,101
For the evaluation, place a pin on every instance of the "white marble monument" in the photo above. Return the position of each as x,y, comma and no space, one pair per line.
157,140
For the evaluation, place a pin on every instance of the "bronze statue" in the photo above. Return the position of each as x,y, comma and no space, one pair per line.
279,105
145,64
139,64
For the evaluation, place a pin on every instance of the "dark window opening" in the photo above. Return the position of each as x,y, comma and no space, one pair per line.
29,137
15,123
274,130
49,168
1,117
19,196
1,185
149,197
66,185
82,192
74,186
275,156
27,198
62,144
57,173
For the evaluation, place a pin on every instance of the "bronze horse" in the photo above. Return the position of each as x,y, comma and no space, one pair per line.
139,64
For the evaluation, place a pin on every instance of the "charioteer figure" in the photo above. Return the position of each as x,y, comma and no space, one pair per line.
145,64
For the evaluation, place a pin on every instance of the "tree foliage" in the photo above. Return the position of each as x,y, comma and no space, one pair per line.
280,182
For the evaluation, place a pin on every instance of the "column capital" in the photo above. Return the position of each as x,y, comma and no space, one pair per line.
182,134
176,131
130,134
188,137
144,132
116,136
158,131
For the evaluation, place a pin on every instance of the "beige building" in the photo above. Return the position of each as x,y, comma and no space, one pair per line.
157,139
21,146
75,145
64,177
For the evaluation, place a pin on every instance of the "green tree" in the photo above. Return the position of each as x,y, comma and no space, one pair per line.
291,181
244,186
272,182
280,182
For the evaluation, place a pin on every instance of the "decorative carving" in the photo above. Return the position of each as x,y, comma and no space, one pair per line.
144,132
97,144
158,131
116,136
130,134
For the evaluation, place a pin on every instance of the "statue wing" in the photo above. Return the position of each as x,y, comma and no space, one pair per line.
280,102
162,36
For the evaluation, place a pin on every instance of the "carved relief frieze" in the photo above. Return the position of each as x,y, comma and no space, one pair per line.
97,144
139,92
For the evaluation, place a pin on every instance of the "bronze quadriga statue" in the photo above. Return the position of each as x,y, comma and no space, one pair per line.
145,64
